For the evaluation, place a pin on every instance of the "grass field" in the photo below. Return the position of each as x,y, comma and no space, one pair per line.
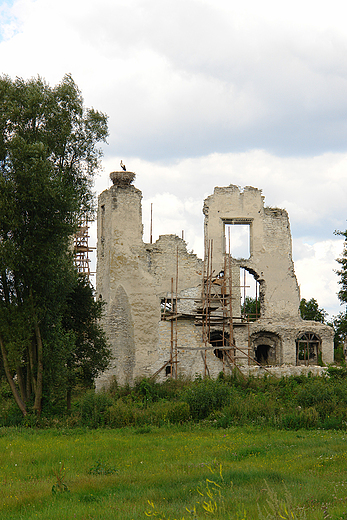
160,473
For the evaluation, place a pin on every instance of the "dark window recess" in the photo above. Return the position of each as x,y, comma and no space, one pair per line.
262,354
217,340
167,305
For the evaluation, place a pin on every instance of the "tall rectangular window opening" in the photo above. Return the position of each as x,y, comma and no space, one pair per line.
238,239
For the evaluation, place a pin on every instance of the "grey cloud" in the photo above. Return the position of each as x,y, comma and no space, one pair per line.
218,85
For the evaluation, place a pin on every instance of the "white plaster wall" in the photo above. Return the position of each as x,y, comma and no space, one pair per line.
271,247
132,277
122,261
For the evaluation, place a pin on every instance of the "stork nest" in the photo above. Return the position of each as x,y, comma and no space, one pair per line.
122,178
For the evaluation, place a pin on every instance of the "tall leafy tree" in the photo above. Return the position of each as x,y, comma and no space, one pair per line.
48,156
90,353
340,321
342,272
309,310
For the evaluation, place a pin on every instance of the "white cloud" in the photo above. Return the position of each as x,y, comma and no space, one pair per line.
182,78
313,190
316,275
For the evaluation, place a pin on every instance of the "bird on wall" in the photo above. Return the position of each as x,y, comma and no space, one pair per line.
123,166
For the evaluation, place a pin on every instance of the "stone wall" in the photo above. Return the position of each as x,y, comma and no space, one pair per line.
133,278
270,260
138,282
123,281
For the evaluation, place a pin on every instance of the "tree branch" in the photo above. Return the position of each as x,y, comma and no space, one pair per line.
13,387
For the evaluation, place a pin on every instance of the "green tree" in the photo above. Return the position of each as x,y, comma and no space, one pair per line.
342,272
340,321
340,327
309,310
48,156
90,354
251,308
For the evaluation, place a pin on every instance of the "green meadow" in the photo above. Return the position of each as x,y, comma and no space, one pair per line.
173,472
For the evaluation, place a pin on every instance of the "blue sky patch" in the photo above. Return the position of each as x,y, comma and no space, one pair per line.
7,20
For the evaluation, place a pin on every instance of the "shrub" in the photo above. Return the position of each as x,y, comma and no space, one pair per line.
206,396
337,372
10,415
178,413
308,418
315,392
120,414
94,408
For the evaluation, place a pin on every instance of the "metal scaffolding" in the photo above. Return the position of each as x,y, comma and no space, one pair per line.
82,249
214,313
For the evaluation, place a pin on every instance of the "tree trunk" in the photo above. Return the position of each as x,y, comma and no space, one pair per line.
31,366
39,378
39,351
68,399
28,382
21,383
14,390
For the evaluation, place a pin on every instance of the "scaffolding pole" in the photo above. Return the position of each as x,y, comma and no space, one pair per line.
82,249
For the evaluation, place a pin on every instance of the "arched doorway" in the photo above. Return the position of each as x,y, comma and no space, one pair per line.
266,347
308,348
262,354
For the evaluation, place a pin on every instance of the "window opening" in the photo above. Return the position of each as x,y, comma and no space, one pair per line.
267,348
238,239
307,349
250,302
167,305
219,339
168,370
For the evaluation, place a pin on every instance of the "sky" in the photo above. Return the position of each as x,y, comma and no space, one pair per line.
205,93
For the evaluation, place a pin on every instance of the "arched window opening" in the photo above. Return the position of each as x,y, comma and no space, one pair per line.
308,349
266,347
250,296
262,354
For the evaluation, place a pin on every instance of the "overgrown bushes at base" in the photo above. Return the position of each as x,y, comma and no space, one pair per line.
288,403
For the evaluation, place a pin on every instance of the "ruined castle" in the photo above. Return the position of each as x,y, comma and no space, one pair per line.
171,314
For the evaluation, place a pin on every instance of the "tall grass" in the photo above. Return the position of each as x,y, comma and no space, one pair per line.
238,473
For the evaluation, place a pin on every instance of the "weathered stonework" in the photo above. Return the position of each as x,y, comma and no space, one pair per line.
143,320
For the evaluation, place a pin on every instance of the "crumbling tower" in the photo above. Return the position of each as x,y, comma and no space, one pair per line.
132,312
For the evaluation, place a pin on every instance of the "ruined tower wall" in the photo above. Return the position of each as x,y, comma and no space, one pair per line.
270,258
132,310
134,278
